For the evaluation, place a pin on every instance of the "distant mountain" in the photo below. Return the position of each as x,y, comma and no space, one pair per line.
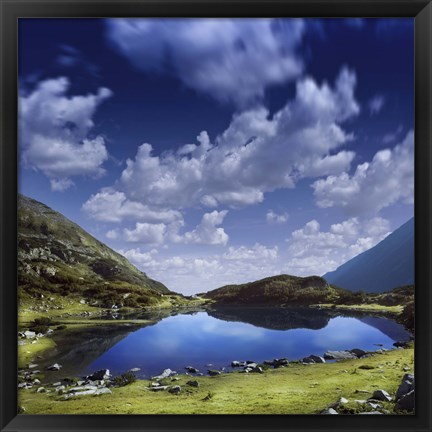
56,255
387,265
280,290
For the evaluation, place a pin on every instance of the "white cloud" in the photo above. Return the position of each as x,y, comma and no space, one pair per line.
191,274
145,233
313,251
53,132
112,234
376,104
207,232
387,179
110,205
257,153
233,60
392,136
273,217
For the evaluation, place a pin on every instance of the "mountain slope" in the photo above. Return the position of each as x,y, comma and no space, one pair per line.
282,289
385,266
58,256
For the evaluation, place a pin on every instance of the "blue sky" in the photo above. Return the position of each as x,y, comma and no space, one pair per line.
221,151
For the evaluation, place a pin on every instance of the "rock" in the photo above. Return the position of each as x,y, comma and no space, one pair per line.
408,377
85,393
251,365
82,388
80,383
340,401
280,362
174,379
175,390
404,388
362,401
32,365
373,405
165,374
41,390
358,352
159,388
36,382
54,367
134,369
339,355
101,391
317,359
307,360
406,402
193,383
400,344
102,374
381,395
213,372
235,363
366,367
191,369
56,384
406,369
60,389
29,334
329,411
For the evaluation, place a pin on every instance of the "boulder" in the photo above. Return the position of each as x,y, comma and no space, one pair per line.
175,390
317,359
193,383
101,391
381,395
340,401
165,374
32,365
329,411
235,363
29,334
280,362
54,367
41,390
406,402
102,374
307,360
339,355
401,344
159,388
404,388
358,352
213,372
374,406
191,369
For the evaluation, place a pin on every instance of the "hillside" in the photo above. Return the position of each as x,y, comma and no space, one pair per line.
387,265
57,256
280,290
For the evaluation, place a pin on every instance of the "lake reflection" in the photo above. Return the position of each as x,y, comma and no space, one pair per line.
220,336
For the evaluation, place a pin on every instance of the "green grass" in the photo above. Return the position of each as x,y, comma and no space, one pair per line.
297,389
372,307
28,353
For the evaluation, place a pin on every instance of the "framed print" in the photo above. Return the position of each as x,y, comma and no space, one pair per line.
216,215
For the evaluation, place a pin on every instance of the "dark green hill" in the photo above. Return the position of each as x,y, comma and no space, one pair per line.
56,255
281,290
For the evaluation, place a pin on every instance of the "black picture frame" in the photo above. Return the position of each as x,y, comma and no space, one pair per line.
10,10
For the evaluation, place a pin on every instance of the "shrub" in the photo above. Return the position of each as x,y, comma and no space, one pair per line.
124,379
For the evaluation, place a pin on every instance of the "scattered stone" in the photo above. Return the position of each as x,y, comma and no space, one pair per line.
32,365
317,359
341,401
56,384
29,334
82,388
175,390
381,395
329,411
404,388
85,393
159,388
401,344
80,383
235,363
213,372
307,360
366,367
41,390
373,405
36,382
406,402
54,367
360,401
193,383
250,365
101,391
191,369
358,352
165,374
339,355
102,374
406,368
280,362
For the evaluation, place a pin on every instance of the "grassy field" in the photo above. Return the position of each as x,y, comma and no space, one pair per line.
296,389
372,307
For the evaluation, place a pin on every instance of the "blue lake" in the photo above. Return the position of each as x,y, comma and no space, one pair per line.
218,337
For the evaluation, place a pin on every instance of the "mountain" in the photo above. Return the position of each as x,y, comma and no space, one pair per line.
387,265
57,256
280,290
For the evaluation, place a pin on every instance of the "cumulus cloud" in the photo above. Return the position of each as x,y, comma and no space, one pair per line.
110,205
313,251
257,153
54,132
112,234
233,60
387,179
145,233
191,274
376,104
273,217
207,232
391,137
